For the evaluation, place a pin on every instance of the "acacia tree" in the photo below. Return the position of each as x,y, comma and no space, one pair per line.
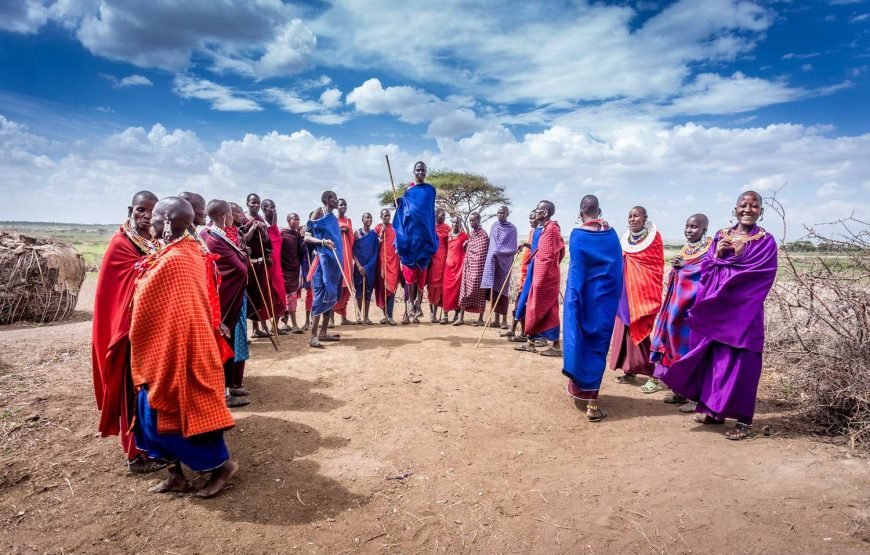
459,194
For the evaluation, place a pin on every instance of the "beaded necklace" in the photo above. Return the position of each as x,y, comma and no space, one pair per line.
635,238
691,251
740,240
144,245
223,235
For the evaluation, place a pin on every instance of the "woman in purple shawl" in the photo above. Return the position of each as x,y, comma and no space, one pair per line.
499,263
722,369
670,336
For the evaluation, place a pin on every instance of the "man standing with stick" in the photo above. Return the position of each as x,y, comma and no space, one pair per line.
416,241
326,276
498,266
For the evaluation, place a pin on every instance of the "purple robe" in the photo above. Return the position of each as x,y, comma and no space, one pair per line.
722,369
499,262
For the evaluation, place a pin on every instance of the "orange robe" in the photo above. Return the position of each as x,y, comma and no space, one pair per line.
174,343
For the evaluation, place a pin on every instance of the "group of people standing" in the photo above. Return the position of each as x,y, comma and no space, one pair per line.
174,297
703,338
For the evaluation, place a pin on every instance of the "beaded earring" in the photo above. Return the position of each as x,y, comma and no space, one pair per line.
761,217
167,231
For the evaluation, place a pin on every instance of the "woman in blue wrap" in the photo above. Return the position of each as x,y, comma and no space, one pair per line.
323,233
365,266
591,300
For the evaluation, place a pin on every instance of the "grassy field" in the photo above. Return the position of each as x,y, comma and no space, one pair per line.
90,240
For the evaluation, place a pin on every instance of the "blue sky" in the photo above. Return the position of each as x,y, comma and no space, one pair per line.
677,106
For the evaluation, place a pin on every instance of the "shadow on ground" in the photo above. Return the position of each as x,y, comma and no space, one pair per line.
274,484
277,393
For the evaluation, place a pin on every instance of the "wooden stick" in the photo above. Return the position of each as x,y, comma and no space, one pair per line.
349,284
268,284
501,291
390,170
260,289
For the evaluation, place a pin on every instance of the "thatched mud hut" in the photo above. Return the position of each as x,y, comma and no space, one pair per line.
40,279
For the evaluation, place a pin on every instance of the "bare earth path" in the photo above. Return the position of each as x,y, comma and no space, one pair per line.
498,459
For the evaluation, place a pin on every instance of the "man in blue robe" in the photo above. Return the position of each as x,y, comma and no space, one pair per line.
365,266
591,299
323,233
416,241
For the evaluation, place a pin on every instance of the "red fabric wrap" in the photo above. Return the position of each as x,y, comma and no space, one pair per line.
542,310
453,271
347,239
644,273
110,342
435,277
388,266
173,344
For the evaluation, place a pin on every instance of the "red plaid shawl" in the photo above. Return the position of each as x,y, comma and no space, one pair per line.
471,297
174,346
542,310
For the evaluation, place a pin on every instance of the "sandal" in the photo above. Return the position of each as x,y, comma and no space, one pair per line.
541,343
519,339
526,348
706,419
384,321
314,342
368,322
507,334
141,465
675,399
478,323
260,334
689,407
239,392
458,322
391,322
651,386
235,402
504,326
296,331
329,337
740,431
626,378
444,321
596,415
551,352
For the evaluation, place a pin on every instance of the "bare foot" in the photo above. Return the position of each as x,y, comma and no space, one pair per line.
175,483
218,479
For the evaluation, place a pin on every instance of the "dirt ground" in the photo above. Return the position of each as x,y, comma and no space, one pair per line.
498,460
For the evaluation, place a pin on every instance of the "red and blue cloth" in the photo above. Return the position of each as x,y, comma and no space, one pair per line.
670,336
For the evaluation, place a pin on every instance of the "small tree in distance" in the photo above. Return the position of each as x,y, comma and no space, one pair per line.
458,194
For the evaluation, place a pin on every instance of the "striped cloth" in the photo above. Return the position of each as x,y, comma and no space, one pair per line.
644,268
174,343
471,297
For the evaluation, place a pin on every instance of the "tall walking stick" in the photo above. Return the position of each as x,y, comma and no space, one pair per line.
349,285
268,285
260,290
501,291
390,170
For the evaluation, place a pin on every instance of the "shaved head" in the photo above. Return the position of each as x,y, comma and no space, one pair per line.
589,206
702,220
198,204
143,196
175,210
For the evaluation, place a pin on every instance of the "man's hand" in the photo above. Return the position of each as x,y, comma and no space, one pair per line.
225,331
329,244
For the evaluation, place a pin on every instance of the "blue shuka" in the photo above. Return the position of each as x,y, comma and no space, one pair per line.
416,241
591,300
327,278
365,251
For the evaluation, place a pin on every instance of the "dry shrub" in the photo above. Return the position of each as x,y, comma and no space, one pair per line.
40,279
819,327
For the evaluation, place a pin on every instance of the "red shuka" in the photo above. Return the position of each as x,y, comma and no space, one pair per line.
435,283
110,342
388,266
542,310
453,271
644,273
347,265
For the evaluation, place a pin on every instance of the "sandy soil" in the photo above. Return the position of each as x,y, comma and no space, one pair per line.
498,460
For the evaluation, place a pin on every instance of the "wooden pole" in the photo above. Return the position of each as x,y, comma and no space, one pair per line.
268,283
501,291
346,282
260,289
